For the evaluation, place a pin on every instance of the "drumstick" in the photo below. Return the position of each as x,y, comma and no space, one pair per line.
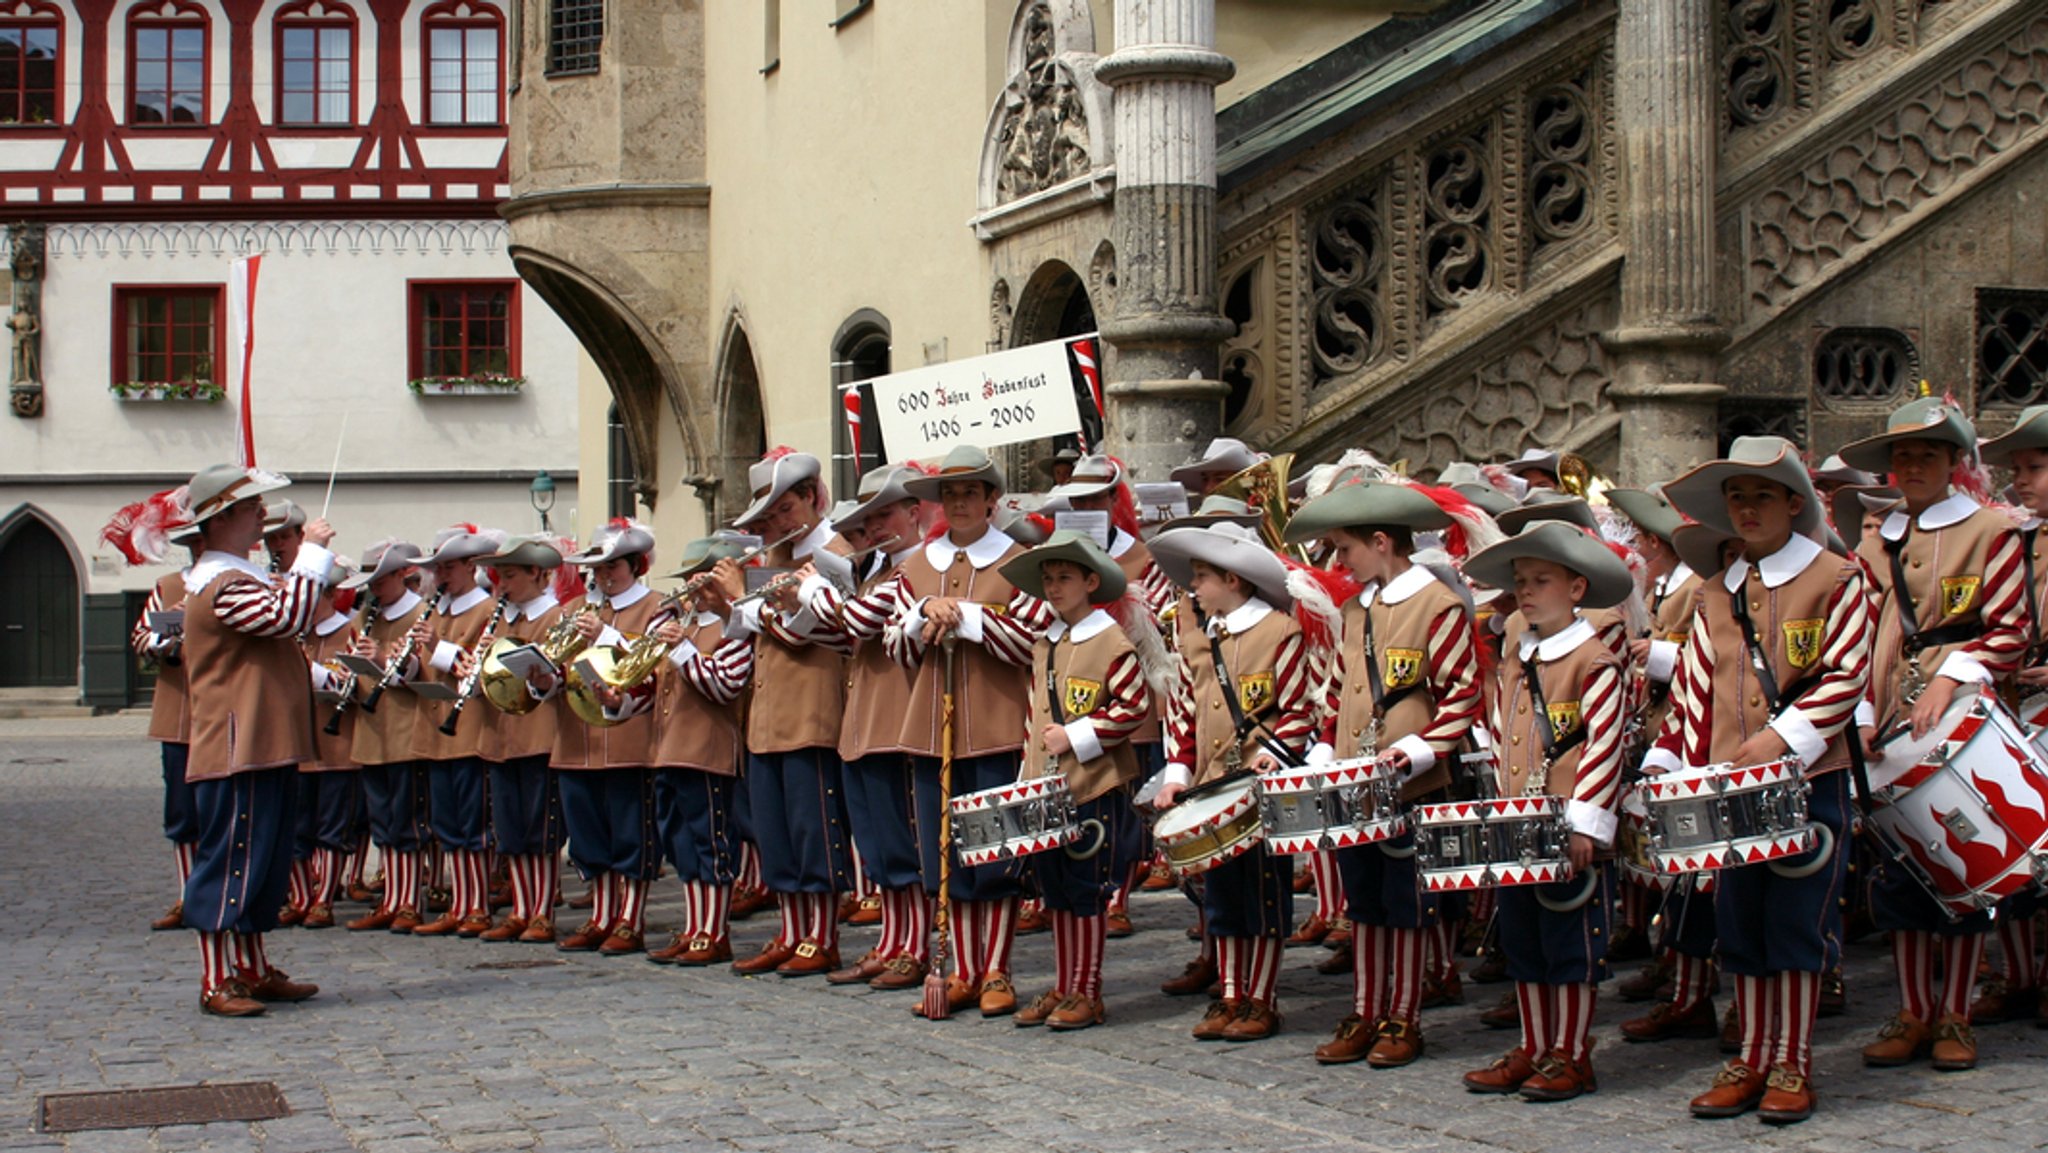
336,467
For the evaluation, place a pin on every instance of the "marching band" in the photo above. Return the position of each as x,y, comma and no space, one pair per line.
1727,721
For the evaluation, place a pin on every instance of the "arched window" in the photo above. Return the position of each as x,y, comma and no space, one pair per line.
620,475
169,55
859,352
465,77
30,54
315,63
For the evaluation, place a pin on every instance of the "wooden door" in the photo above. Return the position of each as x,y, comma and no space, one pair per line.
38,609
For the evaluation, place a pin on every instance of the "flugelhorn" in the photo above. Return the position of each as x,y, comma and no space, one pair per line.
1263,489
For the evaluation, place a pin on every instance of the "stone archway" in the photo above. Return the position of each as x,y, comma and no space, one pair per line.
742,429
1055,304
39,575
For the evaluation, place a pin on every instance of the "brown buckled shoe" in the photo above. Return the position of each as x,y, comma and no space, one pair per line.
584,940
505,930
1077,1012
998,996
231,999
405,920
1040,1008
1506,1014
705,951
1505,1075
1304,880
276,986
173,918
474,925
869,912
1312,932
1158,877
1665,1021
1255,1021
1339,936
849,904
1351,1042
1491,969
1399,1043
539,931
808,959
1559,1078
959,995
1193,980
371,921
1902,1039
441,926
621,941
772,954
1737,1089
1218,1017
587,899
1788,1097
289,916
318,917
859,973
747,902
1448,989
678,944
1955,1045
1116,924
363,894
1336,962
1998,1002
902,971
1645,983
1032,919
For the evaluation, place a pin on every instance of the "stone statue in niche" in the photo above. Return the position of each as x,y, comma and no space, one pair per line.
24,322
1043,140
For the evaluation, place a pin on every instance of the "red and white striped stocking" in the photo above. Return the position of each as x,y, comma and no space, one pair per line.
1913,955
1756,1012
1404,983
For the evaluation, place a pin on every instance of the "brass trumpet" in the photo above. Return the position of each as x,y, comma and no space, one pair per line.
1263,489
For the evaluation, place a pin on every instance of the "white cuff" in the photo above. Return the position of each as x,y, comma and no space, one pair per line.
811,587
1800,736
1421,758
609,636
444,656
913,621
1320,753
313,561
1963,668
1592,820
1177,775
1663,661
970,622
1081,735
1866,714
803,623
745,619
684,654
1661,760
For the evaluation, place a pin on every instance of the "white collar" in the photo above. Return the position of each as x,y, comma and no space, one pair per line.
1090,627
400,607
1557,645
1120,542
1242,617
699,620
1777,568
465,602
812,541
331,625
533,609
1672,581
1399,589
215,564
981,554
624,600
1954,508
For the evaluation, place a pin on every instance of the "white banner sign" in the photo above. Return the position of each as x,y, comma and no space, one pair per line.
1003,398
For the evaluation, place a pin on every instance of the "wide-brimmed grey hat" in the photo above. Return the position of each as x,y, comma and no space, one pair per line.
217,488
1539,459
2030,431
1366,504
1851,504
705,551
459,543
1469,481
184,532
1649,509
382,559
1548,504
1024,570
880,487
282,515
1928,418
1093,476
1581,550
965,462
1044,465
1701,547
1225,454
535,551
1229,547
772,476
1698,494
613,541
1834,471
1018,525
1216,510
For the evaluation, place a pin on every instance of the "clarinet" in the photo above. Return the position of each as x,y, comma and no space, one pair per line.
467,688
348,687
392,670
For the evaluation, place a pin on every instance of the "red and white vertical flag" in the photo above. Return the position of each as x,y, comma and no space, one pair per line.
1084,356
851,399
242,318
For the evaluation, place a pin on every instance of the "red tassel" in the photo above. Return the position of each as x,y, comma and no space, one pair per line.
344,601
1124,513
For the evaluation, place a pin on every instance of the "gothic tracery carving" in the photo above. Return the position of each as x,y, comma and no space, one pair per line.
1043,140
1458,221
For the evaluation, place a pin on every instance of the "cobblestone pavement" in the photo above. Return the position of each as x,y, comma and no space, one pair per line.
411,1045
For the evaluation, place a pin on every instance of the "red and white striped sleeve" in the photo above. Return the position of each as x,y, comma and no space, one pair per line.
1688,728
1597,785
1822,711
1010,634
1453,670
1294,713
719,676
865,616
806,629
141,638
247,605
1996,653
1179,718
1125,703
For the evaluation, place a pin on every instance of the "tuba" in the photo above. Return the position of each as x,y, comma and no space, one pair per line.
1263,488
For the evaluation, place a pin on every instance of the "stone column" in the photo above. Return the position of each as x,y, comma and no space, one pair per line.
1668,342
1165,399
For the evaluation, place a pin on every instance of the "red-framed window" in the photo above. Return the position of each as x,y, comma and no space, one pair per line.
465,78
464,329
170,334
168,58
29,62
315,61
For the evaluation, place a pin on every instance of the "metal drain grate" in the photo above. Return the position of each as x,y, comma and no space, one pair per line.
538,963
172,1105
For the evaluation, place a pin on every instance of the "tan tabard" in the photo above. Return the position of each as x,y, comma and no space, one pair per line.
1400,634
1134,562
991,698
1791,623
428,742
170,711
510,736
695,732
1252,657
1945,571
626,745
385,736
1521,748
1081,676
252,697
1670,620
877,694
331,753
803,686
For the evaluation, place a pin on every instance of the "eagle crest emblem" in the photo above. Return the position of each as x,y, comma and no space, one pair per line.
1254,692
1404,667
1081,696
1959,594
1802,642
1564,717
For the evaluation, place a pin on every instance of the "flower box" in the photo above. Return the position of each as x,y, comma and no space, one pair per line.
467,385
203,391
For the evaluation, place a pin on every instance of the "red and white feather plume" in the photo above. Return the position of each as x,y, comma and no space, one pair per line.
141,531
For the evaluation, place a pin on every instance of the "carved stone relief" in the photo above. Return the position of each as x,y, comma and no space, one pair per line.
1102,279
1050,124
1001,313
25,319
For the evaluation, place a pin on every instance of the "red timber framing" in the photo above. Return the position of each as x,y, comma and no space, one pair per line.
234,167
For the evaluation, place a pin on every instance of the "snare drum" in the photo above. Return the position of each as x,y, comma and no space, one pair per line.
1014,820
1330,806
1216,823
1965,812
1479,844
1632,842
1722,816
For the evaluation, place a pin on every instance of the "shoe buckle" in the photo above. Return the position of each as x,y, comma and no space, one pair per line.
700,944
807,950
1786,1080
1735,1072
